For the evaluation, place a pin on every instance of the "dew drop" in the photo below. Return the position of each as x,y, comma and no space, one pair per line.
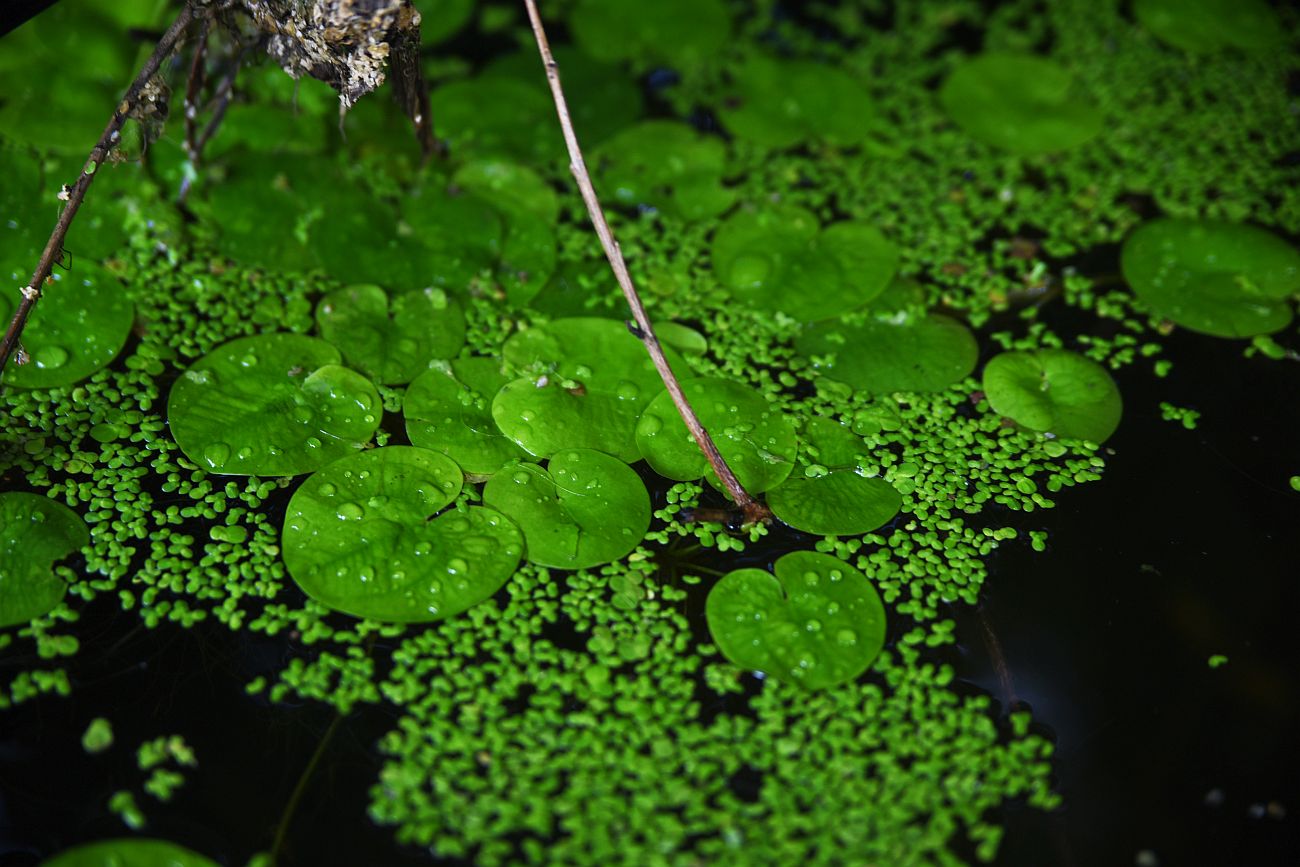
813,626
521,477
811,578
435,586
456,565
350,512
422,548
313,443
846,638
377,502
527,415
249,360
245,453
302,414
651,425
216,454
50,356
628,390
326,490
836,575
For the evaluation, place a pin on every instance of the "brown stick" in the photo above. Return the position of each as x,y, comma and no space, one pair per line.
754,511
54,247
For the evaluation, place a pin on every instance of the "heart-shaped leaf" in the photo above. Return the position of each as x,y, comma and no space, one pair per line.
757,440
271,405
80,324
586,508
1212,276
1020,103
391,343
132,851
449,410
360,537
35,533
817,622
1054,390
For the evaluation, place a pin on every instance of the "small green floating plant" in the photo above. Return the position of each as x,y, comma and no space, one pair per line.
426,367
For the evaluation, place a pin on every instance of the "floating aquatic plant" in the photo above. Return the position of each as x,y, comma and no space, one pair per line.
35,533
1056,391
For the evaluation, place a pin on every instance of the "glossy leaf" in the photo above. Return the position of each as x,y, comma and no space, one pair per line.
586,508
129,852
497,116
1054,390
391,344
1020,103
35,533
1212,276
780,103
818,622
756,439
272,405
888,355
681,33
360,537
449,410
80,324
585,382
665,165
779,259
509,187
835,503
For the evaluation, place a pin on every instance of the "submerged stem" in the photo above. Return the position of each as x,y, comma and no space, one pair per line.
77,192
753,510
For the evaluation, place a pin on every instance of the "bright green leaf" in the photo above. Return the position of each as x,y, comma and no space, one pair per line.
35,533
1054,390
449,410
391,346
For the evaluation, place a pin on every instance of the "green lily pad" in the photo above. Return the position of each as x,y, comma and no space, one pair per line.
1202,26
498,116
887,355
586,508
527,256
1054,390
817,622
756,439
681,33
782,103
603,98
509,187
829,443
80,324
261,211
449,410
391,345
460,235
1021,103
133,851
355,238
271,405
35,533
442,18
1213,276
360,537
579,289
585,382
665,165
777,259
835,503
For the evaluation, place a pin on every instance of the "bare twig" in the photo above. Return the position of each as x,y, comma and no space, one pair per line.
753,510
218,104
98,154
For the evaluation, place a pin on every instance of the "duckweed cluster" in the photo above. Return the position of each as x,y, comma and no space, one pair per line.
578,708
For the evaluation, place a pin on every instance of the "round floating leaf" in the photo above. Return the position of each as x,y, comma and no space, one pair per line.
666,165
260,211
778,259
586,508
1021,103
129,852
1212,276
441,18
80,324
509,187
576,289
883,356
585,383
756,439
782,103
360,537
527,256
1202,26
835,503
498,116
1054,390
450,411
602,97
460,234
35,533
829,443
817,623
272,405
394,345
354,236
682,33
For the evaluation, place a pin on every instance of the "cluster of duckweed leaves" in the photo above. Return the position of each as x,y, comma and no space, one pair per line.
583,708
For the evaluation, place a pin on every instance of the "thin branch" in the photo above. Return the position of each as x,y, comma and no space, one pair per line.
218,104
112,133
753,510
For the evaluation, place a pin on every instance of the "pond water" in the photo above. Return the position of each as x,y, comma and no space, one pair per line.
950,188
